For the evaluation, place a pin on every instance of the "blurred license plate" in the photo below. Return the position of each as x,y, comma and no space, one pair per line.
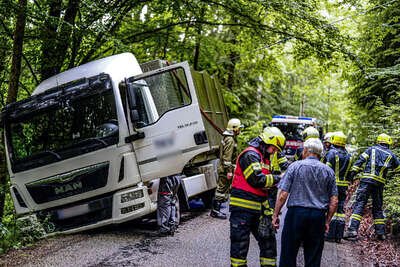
73,211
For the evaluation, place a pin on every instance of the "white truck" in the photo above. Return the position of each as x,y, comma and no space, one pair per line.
88,147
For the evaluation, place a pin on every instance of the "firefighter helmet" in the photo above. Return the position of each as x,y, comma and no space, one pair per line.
234,124
338,139
384,139
273,136
310,132
327,137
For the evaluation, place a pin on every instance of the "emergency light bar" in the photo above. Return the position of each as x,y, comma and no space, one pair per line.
292,117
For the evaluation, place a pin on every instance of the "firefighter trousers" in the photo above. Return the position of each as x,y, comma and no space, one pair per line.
244,222
364,191
223,188
337,225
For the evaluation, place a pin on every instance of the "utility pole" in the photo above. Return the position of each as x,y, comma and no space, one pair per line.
259,94
328,102
302,104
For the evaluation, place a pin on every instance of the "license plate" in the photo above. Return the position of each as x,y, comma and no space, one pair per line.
73,211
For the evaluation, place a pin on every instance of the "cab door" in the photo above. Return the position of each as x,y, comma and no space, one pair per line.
166,127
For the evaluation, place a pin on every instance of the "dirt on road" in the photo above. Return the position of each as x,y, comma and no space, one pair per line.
199,241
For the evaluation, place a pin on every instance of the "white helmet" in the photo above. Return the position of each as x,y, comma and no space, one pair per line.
234,125
310,132
327,137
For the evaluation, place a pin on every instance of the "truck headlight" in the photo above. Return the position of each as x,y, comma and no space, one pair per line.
131,196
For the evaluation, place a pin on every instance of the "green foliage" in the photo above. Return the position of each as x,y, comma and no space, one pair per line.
379,81
9,236
273,57
249,133
16,233
392,197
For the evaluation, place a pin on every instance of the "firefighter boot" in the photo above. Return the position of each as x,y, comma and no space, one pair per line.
350,235
339,231
216,211
381,237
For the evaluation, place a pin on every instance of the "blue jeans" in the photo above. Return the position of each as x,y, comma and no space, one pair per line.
303,226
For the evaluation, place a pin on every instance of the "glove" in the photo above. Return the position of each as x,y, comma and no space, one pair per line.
277,178
229,175
265,228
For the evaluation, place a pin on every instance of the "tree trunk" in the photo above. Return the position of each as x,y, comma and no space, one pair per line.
49,39
3,69
199,29
65,34
12,90
234,57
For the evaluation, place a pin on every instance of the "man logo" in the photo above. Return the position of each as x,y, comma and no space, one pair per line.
67,188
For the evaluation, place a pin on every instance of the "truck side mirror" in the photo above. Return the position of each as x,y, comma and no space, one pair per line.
133,104
134,116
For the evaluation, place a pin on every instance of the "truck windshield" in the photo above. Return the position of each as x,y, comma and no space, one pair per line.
49,128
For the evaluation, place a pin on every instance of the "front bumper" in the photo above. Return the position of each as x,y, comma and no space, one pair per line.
114,208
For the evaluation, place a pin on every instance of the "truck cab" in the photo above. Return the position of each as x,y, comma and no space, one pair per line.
292,127
88,147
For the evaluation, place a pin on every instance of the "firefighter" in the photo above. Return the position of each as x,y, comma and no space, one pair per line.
378,159
227,157
167,217
250,212
340,161
278,164
309,132
327,141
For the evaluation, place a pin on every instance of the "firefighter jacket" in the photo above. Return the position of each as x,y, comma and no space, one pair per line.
378,159
340,161
298,155
251,179
227,152
279,163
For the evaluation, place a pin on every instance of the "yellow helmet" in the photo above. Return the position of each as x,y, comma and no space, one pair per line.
327,137
338,139
273,136
234,124
384,139
310,132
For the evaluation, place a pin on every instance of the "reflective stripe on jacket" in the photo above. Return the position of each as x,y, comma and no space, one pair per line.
378,159
249,185
340,161
241,176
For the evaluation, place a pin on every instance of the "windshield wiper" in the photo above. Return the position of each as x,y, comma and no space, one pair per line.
44,153
98,140
88,144
36,160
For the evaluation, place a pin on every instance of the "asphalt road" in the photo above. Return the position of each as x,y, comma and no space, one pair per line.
199,241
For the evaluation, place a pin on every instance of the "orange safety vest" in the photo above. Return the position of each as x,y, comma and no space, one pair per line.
240,182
